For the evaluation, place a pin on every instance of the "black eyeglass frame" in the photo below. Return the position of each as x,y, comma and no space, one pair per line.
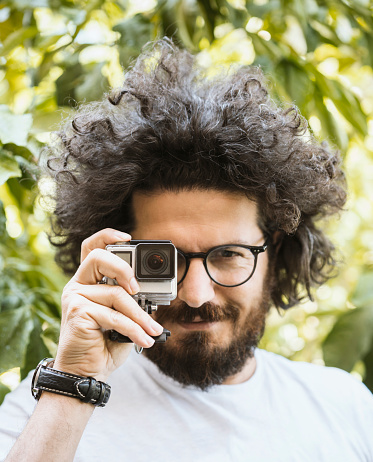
254,249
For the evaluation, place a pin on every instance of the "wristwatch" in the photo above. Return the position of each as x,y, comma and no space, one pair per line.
87,389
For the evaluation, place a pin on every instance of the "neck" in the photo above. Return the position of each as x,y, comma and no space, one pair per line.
245,373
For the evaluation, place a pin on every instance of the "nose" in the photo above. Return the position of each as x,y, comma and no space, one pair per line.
197,288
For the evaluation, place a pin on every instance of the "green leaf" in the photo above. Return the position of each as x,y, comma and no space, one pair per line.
348,104
134,33
2,220
369,40
363,294
15,328
68,81
76,15
345,101
27,163
209,14
29,172
22,151
22,4
20,195
368,362
186,21
331,128
3,391
93,86
14,128
42,70
9,167
295,80
17,38
343,347
36,350
237,16
50,337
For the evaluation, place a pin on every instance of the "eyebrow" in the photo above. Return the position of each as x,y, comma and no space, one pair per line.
233,242
239,242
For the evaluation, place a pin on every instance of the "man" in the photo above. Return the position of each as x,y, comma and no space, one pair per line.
237,185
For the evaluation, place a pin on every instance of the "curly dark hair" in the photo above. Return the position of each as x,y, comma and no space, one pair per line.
173,127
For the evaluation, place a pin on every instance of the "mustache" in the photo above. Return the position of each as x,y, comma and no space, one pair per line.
209,312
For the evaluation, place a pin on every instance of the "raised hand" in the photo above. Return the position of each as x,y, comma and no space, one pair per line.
90,309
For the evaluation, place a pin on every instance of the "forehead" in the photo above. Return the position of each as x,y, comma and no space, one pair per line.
196,218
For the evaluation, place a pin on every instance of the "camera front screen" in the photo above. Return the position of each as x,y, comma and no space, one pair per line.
155,261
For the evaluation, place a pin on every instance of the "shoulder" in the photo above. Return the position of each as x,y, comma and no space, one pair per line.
328,382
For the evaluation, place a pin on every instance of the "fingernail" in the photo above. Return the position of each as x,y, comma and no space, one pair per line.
134,286
155,327
123,236
149,341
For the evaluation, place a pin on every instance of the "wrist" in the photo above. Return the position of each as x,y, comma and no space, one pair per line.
66,405
76,369
51,380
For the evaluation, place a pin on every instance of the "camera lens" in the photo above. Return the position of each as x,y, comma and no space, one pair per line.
155,262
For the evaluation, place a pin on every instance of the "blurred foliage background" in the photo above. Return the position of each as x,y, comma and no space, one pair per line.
318,54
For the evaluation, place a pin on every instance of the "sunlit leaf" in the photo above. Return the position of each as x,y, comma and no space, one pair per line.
347,104
21,4
76,15
330,127
17,38
9,167
14,128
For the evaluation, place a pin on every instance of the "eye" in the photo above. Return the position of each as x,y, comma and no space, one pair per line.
227,253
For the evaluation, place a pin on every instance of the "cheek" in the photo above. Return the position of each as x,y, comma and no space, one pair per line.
246,295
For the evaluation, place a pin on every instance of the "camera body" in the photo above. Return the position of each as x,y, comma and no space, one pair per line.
154,264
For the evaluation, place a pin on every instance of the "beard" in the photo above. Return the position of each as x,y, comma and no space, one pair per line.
193,359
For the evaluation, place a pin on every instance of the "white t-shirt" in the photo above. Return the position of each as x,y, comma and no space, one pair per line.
288,411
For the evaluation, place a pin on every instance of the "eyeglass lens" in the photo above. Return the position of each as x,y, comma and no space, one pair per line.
228,265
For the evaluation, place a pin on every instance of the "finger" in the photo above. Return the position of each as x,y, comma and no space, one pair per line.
101,239
85,312
100,263
117,298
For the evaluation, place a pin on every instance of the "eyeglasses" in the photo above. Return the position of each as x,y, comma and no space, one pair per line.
227,265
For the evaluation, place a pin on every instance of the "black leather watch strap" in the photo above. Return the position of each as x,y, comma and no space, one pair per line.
87,389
